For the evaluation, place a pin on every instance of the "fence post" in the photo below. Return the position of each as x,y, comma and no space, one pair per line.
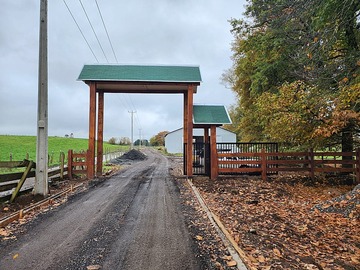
88,162
357,166
263,164
29,166
62,164
11,158
312,164
70,159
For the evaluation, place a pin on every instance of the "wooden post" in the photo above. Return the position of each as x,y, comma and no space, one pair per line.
207,151
70,159
100,136
312,164
206,135
263,165
214,171
62,164
88,161
22,180
189,150
357,166
92,130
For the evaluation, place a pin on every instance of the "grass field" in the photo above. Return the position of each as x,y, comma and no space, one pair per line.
21,146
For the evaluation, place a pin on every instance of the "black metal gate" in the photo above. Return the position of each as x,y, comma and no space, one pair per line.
201,159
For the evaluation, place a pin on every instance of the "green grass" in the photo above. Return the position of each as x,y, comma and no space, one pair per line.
21,146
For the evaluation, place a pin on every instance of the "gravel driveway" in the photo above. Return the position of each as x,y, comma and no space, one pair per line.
131,221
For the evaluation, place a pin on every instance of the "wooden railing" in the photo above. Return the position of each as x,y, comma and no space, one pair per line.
311,162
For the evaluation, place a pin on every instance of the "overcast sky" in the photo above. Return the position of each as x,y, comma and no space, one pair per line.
164,32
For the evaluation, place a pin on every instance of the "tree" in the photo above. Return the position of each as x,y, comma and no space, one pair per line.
112,140
285,46
143,142
124,141
158,139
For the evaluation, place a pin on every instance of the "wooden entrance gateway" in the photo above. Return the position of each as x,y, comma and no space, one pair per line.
137,79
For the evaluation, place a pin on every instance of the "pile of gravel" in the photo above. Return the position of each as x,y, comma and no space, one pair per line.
348,204
132,155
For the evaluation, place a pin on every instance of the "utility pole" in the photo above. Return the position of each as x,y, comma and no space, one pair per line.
41,182
132,129
140,138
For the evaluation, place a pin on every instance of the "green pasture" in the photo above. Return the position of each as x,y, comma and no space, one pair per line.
20,147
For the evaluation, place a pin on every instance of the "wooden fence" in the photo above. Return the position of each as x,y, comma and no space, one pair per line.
312,162
78,163
9,181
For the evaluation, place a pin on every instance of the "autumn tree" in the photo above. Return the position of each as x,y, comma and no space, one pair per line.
296,72
158,139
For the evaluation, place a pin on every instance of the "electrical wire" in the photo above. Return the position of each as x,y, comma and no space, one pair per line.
102,49
130,102
107,33
81,32
127,100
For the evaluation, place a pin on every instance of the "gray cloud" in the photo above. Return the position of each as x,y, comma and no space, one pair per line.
142,32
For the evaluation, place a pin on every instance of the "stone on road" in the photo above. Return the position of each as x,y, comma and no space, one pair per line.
131,221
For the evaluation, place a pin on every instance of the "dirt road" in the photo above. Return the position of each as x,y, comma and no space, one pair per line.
131,221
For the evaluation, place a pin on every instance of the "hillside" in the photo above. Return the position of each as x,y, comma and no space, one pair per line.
20,146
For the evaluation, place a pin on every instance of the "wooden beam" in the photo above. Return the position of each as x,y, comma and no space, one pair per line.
214,171
100,134
92,130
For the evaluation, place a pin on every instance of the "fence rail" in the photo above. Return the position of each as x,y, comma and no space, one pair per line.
9,185
312,162
9,181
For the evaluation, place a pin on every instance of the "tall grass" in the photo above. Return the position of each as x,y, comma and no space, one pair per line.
21,146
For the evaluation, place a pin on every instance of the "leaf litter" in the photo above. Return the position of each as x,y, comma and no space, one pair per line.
282,224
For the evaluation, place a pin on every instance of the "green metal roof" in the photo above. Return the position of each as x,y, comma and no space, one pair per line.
210,114
141,73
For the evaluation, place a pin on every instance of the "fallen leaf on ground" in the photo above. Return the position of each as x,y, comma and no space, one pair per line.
231,263
199,237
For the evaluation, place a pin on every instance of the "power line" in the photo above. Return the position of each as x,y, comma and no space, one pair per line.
102,19
128,100
93,30
81,31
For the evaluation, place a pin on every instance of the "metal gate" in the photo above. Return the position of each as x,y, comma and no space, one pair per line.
201,159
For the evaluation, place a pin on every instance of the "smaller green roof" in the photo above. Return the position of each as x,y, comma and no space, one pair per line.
141,73
210,115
